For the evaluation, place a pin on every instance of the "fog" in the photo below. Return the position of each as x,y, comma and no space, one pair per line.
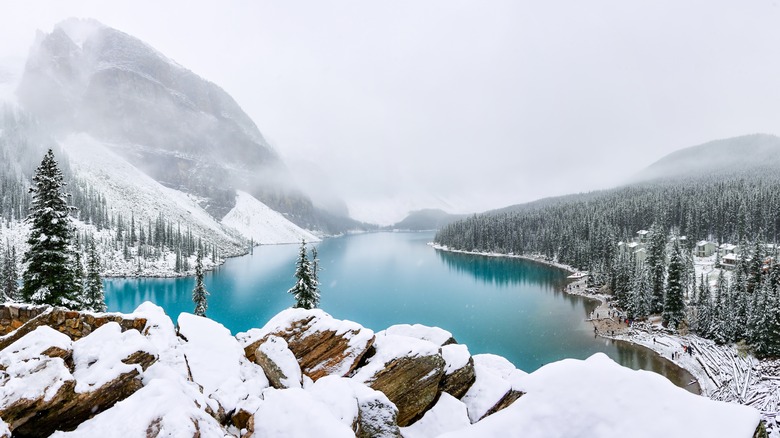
465,106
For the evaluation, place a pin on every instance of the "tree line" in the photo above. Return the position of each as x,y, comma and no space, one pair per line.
583,231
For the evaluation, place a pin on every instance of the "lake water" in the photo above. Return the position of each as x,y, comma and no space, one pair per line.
510,307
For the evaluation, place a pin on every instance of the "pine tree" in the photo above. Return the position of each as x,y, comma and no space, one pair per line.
199,294
674,306
641,291
717,329
772,317
305,289
50,277
11,276
94,299
315,268
704,308
656,264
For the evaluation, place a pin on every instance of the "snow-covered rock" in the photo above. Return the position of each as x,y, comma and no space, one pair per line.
459,373
366,411
322,344
408,370
95,365
446,415
213,357
279,363
162,408
600,399
40,394
497,385
436,335
109,384
294,412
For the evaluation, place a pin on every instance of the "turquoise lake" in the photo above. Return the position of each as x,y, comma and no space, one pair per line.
510,307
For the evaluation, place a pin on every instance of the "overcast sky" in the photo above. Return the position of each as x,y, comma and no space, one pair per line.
466,105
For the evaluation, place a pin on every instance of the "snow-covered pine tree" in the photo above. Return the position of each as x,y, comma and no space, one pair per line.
78,274
10,275
640,300
304,290
3,256
656,266
773,321
674,306
94,299
315,269
50,277
704,308
717,329
199,294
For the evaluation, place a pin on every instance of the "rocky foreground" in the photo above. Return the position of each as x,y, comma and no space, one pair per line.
307,374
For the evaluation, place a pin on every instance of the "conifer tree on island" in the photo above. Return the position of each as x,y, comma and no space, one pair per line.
93,287
50,277
199,294
305,290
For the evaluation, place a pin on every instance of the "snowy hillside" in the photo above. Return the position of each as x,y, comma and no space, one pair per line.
256,221
131,192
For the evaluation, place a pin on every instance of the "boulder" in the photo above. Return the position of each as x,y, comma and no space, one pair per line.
368,412
321,344
294,412
446,415
278,363
40,394
497,386
407,370
436,335
459,372
162,408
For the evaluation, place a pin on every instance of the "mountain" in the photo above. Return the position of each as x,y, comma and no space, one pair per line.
757,152
426,219
180,129
722,191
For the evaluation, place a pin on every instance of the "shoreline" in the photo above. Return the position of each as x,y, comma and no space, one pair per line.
723,372
530,258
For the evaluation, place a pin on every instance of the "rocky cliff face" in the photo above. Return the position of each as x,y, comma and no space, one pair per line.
179,128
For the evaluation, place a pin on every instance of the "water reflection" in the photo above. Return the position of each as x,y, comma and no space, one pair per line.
502,271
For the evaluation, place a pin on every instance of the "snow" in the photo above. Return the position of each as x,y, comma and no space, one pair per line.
436,335
294,412
256,221
26,374
212,353
161,408
340,395
357,335
391,347
96,365
456,356
345,398
600,399
447,415
130,192
496,376
34,344
276,349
